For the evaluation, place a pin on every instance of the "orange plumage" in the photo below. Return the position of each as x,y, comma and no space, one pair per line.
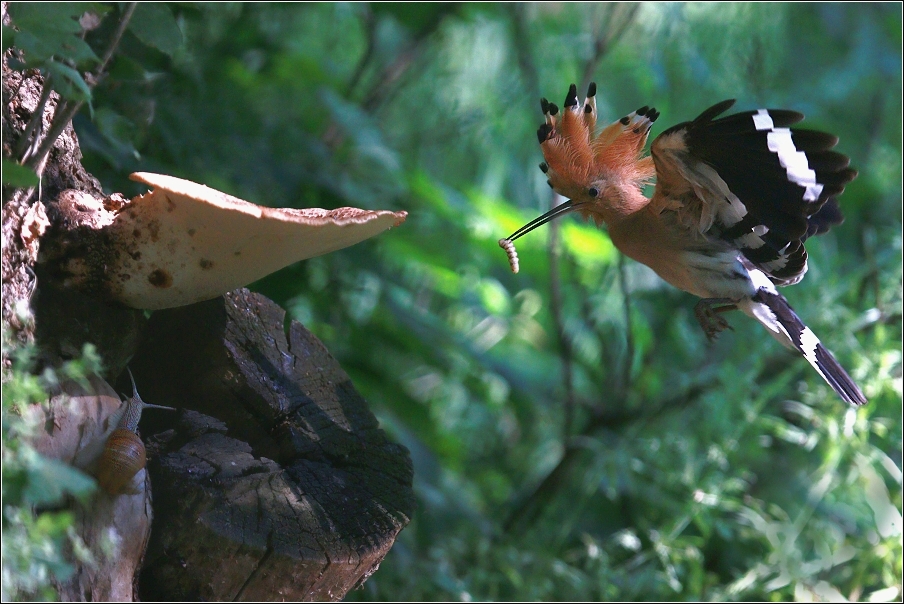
735,199
579,162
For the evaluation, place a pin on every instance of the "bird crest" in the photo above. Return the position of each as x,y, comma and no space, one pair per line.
581,164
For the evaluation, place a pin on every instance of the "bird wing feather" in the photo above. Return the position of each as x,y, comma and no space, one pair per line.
752,181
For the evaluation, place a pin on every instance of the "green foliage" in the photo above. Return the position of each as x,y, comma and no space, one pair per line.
574,435
153,24
66,41
49,36
40,546
18,175
44,31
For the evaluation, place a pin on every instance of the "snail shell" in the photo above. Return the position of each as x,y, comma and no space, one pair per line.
123,457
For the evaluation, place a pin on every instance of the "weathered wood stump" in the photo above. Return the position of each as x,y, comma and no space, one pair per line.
276,482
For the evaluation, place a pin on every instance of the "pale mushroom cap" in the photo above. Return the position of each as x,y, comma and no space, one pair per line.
183,242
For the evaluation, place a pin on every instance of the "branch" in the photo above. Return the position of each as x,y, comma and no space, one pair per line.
629,332
613,421
66,110
618,18
529,69
386,83
525,58
555,309
117,37
370,26
26,145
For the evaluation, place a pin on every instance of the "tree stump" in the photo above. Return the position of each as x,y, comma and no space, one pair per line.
276,481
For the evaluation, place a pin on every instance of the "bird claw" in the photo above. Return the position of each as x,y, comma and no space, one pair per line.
707,313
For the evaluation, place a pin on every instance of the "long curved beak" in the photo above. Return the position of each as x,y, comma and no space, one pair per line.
559,210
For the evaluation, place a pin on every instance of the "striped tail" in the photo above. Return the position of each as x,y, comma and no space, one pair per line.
780,317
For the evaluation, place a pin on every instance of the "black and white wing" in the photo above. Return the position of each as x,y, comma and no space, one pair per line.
753,182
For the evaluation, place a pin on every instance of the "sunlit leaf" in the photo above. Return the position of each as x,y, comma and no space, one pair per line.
588,244
18,175
494,296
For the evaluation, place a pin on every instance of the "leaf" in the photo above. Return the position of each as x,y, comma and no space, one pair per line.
51,30
77,50
17,175
420,18
49,480
68,82
494,296
48,16
154,25
39,49
588,244
118,130
887,594
9,36
36,49
126,69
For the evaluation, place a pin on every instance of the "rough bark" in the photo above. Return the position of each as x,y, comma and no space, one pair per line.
278,483
20,233
23,216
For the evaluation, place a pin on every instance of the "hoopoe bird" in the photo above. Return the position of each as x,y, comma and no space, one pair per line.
735,199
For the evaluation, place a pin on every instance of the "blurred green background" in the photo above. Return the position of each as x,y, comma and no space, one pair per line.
574,435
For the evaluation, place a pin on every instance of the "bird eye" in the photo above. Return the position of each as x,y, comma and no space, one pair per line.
593,192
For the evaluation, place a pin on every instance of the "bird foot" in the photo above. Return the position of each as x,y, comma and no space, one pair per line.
708,315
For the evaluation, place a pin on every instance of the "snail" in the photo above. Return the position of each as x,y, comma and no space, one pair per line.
124,455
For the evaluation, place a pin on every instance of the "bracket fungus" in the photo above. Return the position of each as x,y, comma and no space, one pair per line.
183,242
